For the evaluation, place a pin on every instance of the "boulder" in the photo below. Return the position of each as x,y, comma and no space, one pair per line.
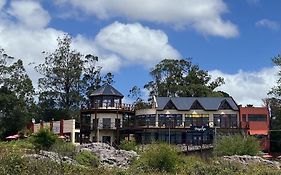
246,159
109,156
47,155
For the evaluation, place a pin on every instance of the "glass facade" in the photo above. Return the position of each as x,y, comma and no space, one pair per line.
254,117
146,120
196,120
170,120
225,120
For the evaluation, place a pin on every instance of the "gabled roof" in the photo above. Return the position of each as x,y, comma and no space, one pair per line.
185,103
107,90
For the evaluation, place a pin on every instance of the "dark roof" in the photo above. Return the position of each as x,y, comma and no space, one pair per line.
107,90
184,103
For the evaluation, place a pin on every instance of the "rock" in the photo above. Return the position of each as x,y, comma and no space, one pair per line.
109,156
43,155
246,159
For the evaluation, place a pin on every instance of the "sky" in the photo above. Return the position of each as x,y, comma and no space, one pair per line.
232,39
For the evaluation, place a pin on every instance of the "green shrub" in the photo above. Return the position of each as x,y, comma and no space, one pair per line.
10,160
236,145
159,157
128,145
24,143
64,148
87,158
44,139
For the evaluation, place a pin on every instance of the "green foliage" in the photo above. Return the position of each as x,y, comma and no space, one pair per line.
18,144
236,145
44,139
10,160
87,158
13,162
64,148
173,78
128,145
159,157
68,79
16,95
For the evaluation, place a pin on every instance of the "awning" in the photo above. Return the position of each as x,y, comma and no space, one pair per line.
258,132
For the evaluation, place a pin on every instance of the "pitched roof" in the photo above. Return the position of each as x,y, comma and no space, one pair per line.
185,103
107,90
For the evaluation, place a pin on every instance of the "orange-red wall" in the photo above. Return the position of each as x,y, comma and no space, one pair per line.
256,126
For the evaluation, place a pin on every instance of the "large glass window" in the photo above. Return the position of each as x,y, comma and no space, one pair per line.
146,120
196,120
170,120
225,120
253,117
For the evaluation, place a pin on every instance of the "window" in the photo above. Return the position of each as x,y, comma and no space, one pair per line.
151,119
106,123
196,120
244,118
252,117
146,120
225,120
170,120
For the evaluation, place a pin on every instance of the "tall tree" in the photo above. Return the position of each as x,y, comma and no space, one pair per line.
172,78
274,102
68,78
16,95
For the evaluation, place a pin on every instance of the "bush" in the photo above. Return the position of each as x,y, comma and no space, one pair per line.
87,158
128,145
159,157
236,145
10,160
44,139
64,149
25,143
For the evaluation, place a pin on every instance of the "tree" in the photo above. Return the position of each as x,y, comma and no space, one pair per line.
274,102
172,78
14,78
16,95
139,103
68,79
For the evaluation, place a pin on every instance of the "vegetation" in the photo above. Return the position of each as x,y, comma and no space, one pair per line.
87,158
16,95
159,157
44,139
274,102
128,145
236,145
172,78
68,79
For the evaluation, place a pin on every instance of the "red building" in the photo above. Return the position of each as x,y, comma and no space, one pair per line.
255,121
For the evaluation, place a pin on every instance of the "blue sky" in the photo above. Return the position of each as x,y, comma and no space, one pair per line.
233,39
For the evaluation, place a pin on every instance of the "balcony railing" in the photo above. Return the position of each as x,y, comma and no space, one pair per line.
123,106
102,125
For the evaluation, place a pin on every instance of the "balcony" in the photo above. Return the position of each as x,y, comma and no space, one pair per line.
106,125
106,106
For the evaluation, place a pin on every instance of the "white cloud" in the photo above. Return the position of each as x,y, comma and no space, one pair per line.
136,43
273,25
29,13
131,44
2,3
203,16
248,87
